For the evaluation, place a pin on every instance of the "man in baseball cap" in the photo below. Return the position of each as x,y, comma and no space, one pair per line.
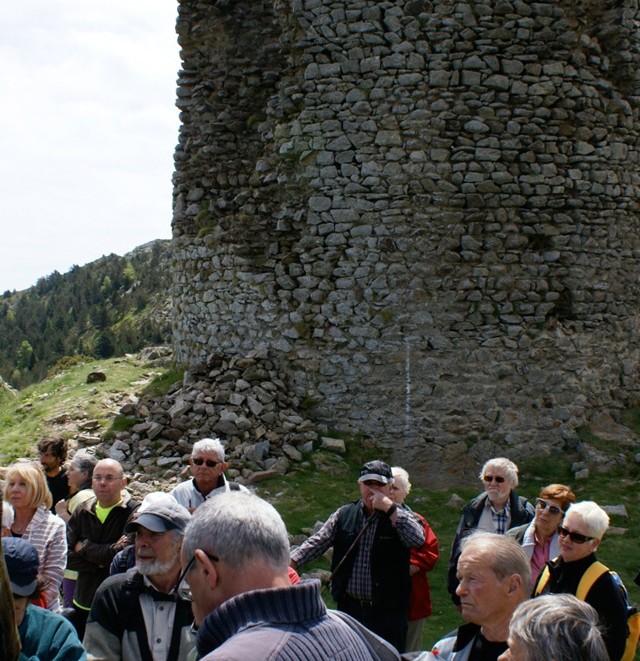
44,635
139,614
371,539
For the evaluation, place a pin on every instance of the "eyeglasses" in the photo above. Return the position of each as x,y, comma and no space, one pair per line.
106,478
210,463
183,589
493,478
576,537
542,505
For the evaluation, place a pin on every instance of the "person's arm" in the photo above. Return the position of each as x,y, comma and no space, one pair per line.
317,544
425,557
409,528
54,562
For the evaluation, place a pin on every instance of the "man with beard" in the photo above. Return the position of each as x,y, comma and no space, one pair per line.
496,510
52,453
139,615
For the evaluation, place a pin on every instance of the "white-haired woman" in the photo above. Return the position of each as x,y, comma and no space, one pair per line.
580,534
421,560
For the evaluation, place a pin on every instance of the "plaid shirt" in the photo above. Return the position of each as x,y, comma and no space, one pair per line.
500,519
410,533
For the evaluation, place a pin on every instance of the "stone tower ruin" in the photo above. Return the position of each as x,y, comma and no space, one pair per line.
427,213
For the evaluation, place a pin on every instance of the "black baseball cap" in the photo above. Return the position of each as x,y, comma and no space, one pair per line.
376,470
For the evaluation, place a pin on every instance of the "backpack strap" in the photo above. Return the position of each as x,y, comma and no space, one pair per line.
542,581
593,573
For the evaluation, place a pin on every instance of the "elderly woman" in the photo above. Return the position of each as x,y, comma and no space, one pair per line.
26,489
584,525
556,627
539,539
421,560
497,509
79,474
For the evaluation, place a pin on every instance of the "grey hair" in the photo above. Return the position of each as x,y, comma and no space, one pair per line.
504,555
503,464
208,446
401,478
558,627
595,519
85,463
239,528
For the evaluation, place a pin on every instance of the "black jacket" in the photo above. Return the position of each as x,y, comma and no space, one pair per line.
391,582
604,596
99,545
521,510
116,628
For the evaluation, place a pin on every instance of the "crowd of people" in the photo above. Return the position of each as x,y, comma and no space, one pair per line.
206,571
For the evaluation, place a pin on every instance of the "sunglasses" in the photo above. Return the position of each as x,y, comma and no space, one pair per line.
182,589
493,478
543,505
576,537
210,463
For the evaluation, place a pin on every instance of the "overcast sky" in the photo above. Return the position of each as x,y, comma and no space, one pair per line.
88,126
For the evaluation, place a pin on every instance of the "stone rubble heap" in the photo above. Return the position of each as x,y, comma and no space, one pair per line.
243,401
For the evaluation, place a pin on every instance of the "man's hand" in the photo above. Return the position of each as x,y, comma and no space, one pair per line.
381,502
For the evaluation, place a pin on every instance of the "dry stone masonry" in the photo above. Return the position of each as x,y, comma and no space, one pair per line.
426,213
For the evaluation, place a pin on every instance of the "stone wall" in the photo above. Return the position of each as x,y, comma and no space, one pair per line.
426,212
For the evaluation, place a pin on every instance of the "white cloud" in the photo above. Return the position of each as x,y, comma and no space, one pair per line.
89,128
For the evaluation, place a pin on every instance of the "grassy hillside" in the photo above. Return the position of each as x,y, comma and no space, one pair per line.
65,403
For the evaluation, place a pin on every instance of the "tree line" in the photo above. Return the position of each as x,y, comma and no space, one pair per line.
109,307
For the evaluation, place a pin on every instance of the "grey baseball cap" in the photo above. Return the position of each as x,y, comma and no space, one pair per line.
159,512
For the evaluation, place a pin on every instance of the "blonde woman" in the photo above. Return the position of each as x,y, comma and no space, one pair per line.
26,489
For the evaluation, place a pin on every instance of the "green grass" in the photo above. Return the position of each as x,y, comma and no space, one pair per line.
55,406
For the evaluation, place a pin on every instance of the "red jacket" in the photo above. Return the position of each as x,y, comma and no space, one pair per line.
424,558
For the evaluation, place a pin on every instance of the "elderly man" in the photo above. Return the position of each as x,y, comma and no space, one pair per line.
495,510
539,539
95,534
137,615
371,540
207,466
235,556
494,577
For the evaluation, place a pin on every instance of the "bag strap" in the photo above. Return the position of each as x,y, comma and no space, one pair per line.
542,581
593,573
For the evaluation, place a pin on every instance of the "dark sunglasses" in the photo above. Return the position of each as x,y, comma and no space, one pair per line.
493,478
543,505
209,462
576,537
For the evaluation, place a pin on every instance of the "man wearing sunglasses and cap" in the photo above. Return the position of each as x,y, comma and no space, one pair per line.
539,539
140,614
207,465
496,510
371,540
